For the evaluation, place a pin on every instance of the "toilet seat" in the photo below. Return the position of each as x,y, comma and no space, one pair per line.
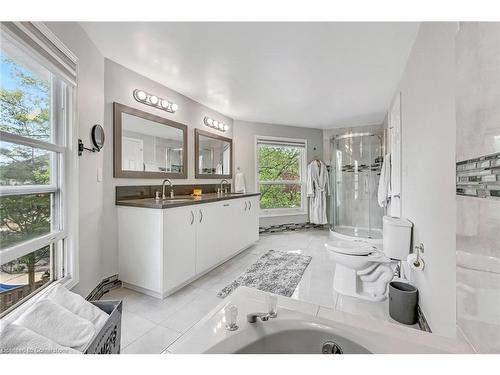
354,248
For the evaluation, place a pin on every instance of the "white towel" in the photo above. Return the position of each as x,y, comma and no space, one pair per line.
239,183
384,183
15,339
78,305
54,322
218,169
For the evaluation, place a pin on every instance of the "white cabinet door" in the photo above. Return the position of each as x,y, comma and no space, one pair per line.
140,247
233,226
179,244
252,221
211,241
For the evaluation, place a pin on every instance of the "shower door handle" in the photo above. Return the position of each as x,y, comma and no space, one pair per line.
367,191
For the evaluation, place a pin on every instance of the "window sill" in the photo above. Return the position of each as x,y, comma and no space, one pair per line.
12,315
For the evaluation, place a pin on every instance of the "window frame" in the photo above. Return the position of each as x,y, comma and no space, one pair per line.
63,237
270,212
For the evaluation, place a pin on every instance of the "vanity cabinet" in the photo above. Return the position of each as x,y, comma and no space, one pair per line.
161,250
179,246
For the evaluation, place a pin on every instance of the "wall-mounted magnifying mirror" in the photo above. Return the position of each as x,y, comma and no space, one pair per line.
98,136
213,155
148,146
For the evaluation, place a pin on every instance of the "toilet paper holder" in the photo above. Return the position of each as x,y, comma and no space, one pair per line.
419,249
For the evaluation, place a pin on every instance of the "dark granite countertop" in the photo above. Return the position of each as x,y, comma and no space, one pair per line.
181,200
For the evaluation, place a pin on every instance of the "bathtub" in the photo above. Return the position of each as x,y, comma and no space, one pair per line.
288,337
304,328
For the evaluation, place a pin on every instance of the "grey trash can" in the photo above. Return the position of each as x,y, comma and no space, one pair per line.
403,299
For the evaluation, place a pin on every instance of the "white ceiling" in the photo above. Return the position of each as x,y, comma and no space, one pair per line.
321,75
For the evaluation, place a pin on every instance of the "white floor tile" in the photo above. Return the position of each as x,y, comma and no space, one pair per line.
133,327
154,341
191,313
157,310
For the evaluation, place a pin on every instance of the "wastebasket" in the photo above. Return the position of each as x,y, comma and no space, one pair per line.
403,299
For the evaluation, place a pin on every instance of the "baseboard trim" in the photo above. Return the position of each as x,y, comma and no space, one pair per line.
422,322
104,287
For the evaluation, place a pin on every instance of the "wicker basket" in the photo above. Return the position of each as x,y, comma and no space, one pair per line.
107,341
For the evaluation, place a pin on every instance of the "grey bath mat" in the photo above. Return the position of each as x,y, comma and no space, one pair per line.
275,272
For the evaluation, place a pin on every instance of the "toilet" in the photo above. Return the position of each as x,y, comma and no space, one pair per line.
364,269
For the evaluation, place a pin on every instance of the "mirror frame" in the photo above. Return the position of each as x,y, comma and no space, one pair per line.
118,172
197,174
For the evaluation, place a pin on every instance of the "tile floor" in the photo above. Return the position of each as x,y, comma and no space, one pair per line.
150,325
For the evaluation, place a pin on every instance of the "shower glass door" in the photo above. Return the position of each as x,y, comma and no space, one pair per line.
356,163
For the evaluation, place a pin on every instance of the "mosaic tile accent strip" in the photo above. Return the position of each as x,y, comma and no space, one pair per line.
290,227
104,287
375,167
421,321
479,177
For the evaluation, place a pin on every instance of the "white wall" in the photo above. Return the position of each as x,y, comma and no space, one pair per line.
244,145
478,219
428,159
119,84
90,97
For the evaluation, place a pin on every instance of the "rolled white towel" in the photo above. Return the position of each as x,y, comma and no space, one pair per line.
15,339
58,324
78,305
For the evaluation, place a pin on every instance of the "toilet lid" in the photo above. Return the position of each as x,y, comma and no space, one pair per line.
350,247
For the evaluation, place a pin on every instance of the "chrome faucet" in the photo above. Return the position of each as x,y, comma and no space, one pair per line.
252,317
163,188
222,183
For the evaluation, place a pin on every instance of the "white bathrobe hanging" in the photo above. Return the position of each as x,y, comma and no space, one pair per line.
317,188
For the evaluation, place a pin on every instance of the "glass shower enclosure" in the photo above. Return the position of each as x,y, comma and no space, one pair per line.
355,172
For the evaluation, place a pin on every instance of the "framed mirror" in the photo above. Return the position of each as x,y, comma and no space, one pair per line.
213,155
148,146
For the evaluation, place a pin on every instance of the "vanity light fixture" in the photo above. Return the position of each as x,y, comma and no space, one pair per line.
214,124
154,101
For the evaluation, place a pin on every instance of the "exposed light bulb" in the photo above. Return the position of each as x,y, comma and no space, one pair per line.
141,95
221,126
153,99
209,121
174,107
226,128
164,103
216,123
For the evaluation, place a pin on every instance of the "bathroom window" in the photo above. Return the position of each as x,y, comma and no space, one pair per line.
36,168
281,173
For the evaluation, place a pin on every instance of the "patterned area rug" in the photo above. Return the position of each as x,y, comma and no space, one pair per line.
275,272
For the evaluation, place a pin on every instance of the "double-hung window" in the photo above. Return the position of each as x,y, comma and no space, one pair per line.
36,165
281,169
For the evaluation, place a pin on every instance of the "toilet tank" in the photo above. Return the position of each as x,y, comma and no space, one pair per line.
397,237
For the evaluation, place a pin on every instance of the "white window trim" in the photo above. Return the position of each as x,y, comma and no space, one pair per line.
68,175
282,211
